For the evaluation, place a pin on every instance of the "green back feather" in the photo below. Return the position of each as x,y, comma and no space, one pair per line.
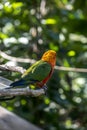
38,71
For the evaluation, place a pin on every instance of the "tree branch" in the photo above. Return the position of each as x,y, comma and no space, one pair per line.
11,58
23,60
61,68
22,70
12,68
21,91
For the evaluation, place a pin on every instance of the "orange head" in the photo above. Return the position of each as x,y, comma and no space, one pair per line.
50,57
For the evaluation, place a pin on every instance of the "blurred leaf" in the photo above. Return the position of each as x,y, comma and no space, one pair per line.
50,21
71,53
17,5
53,47
3,36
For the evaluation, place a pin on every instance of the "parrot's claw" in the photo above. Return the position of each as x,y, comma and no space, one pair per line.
45,89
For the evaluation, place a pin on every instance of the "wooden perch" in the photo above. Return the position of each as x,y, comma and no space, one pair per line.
10,121
21,91
4,83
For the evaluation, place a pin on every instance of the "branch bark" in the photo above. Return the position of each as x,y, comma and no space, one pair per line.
12,68
16,59
62,68
21,91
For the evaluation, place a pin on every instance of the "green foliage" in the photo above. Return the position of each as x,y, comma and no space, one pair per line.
29,28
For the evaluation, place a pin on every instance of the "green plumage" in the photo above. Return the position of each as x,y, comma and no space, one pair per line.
36,73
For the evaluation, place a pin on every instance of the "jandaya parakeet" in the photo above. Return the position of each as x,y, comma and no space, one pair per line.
39,73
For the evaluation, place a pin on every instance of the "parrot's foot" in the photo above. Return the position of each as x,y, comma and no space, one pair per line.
45,89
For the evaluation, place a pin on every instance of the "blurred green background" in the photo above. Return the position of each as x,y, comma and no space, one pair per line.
27,29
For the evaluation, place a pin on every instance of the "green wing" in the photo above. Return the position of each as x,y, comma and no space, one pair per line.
38,71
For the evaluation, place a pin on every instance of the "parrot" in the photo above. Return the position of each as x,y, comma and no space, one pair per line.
39,73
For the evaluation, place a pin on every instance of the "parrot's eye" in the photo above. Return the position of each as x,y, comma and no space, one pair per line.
46,54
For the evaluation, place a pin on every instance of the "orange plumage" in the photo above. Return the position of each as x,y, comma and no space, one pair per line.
50,58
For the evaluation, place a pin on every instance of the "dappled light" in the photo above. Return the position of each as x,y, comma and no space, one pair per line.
28,29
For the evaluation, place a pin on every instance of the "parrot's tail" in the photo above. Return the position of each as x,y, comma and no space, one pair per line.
20,82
